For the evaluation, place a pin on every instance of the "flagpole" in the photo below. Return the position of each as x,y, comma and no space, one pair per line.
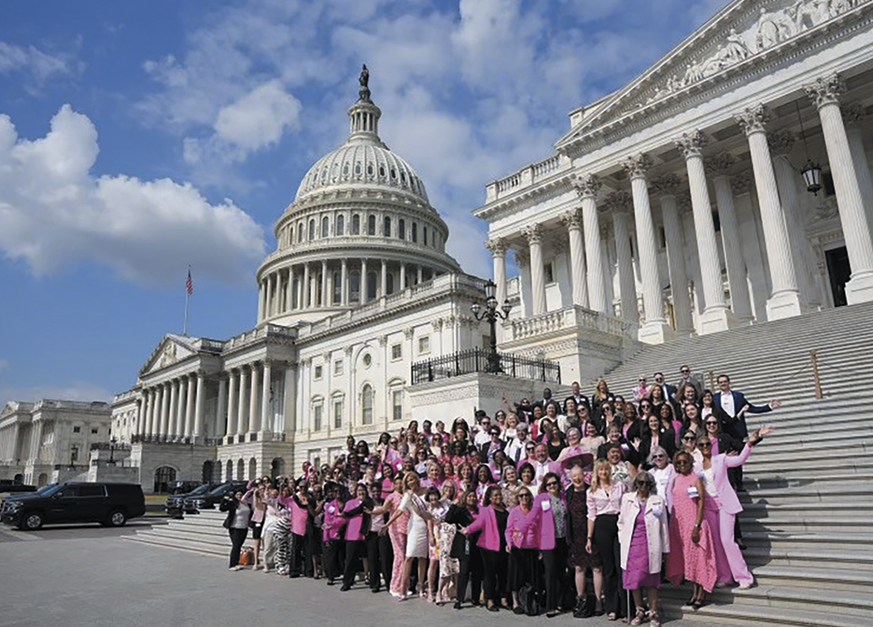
188,290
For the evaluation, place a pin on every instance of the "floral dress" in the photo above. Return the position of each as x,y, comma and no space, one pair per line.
445,535
687,560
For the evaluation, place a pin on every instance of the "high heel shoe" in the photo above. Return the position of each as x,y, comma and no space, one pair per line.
457,605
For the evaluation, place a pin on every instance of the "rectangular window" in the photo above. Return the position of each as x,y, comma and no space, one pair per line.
93,431
396,352
77,429
318,370
338,367
397,404
316,418
337,414
424,344
549,272
74,455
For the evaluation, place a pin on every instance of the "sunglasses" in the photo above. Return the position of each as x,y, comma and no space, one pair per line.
551,483
525,496
711,423
685,371
689,439
705,445
645,483
683,462
658,456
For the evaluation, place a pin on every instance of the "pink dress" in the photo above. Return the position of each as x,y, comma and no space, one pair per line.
687,560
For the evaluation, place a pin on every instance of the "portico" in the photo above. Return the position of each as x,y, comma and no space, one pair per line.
677,202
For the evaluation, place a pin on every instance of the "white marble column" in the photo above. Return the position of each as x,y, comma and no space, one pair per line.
242,425
534,236
254,399
497,247
266,404
184,391
307,289
781,143
190,405
716,316
331,289
383,281
323,300
154,413
221,414
655,329
268,307
741,302
36,439
418,275
573,221
786,300
853,117
825,93
587,188
344,279
289,412
363,290
174,409
261,300
402,275
148,427
666,187
199,403
619,202
163,414
300,290
289,291
232,403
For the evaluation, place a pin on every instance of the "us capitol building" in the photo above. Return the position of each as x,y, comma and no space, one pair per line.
728,184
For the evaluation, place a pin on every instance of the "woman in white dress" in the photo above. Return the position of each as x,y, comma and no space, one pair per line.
416,539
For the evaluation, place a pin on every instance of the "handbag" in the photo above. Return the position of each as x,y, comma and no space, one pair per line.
527,599
247,557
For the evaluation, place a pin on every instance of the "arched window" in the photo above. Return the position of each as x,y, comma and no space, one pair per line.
228,472
337,287
299,232
340,226
367,404
414,232
311,230
355,286
371,285
401,229
291,234
356,224
424,235
386,226
371,225
325,226
163,477
390,288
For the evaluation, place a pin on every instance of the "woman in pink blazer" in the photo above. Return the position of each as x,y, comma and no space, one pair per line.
356,533
714,472
332,532
492,521
522,541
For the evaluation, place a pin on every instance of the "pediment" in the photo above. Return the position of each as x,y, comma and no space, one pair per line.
170,350
742,35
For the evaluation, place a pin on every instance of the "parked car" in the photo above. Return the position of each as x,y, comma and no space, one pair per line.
110,504
175,501
193,504
182,487
14,485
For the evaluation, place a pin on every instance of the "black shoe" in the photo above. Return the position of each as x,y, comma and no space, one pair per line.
599,612
476,603
375,590
741,544
518,610
552,613
330,582
493,608
457,605
698,604
345,588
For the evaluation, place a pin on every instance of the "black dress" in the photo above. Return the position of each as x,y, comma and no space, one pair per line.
577,531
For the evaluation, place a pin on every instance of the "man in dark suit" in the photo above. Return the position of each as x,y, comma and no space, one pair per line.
576,393
668,390
735,406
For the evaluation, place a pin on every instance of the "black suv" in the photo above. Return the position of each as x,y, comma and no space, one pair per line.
193,504
110,504
175,501
13,485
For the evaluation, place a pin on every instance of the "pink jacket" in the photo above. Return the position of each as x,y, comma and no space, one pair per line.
542,519
516,523
486,522
725,496
333,521
299,516
353,530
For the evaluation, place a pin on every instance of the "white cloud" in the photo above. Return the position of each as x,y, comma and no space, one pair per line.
33,62
54,213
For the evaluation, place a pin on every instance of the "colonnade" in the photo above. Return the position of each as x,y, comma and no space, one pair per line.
335,283
775,183
173,410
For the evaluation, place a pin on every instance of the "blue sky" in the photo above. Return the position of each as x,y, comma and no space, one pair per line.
138,138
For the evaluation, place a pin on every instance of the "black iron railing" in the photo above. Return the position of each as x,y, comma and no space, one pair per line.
478,360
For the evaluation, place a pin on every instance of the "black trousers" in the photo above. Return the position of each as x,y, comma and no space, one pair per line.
354,550
554,569
522,568
300,562
380,558
332,559
495,569
237,539
470,572
606,541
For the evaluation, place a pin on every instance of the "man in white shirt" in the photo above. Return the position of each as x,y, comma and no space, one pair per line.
542,465
514,449
483,435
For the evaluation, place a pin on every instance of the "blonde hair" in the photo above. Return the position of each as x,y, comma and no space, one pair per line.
595,476
407,477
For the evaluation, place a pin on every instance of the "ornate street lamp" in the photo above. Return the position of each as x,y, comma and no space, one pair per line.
811,172
492,315
112,443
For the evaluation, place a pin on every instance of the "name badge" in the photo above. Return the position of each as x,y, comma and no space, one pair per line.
692,492
546,505
331,509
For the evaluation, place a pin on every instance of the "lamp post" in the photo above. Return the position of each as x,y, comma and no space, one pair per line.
492,315
112,443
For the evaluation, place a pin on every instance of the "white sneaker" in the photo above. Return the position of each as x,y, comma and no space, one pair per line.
746,586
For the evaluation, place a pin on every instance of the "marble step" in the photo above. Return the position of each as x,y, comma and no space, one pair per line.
176,545
837,556
828,539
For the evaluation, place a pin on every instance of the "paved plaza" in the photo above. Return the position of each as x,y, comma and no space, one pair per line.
89,576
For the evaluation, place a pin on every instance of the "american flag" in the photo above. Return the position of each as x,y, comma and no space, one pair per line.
189,284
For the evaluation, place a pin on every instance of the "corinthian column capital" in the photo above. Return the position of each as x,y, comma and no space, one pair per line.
781,141
533,233
666,185
754,119
825,91
497,247
691,144
587,186
636,166
572,220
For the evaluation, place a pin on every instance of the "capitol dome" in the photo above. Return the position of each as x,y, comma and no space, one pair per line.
360,228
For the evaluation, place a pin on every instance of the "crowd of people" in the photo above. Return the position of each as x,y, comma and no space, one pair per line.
587,504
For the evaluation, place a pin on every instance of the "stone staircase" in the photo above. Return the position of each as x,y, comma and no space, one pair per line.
201,533
810,485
